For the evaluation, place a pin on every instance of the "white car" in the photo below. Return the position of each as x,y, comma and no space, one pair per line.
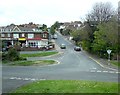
55,36
63,46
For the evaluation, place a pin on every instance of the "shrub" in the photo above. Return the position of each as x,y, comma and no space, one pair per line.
12,55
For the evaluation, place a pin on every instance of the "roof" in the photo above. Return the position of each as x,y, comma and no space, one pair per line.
19,28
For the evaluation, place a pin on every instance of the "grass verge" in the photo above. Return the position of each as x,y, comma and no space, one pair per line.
38,54
115,62
68,86
29,63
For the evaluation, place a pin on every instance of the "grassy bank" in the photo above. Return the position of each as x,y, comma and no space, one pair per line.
29,63
69,86
115,62
42,54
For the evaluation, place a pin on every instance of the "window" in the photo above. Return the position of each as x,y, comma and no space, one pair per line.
44,35
8,35
15,35
33,44
23,35
2,35
30,35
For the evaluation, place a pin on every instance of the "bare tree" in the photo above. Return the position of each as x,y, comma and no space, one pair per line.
101,12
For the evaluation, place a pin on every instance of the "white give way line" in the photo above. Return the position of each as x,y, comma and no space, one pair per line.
27,79
104,71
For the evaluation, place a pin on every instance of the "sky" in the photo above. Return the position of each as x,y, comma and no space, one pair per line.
46,11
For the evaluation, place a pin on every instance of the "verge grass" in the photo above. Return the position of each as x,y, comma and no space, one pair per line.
68,86
115,62
33,63
42,54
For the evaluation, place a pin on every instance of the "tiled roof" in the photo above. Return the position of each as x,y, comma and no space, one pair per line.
21,28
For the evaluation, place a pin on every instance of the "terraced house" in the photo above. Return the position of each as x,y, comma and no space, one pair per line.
27,36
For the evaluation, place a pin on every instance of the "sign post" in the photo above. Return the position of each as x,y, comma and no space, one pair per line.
109,51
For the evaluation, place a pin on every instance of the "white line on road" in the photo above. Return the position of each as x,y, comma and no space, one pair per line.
99,71
26,79
94,68
117,72
13,78
92,71
111,72
31,79
19,78
105,71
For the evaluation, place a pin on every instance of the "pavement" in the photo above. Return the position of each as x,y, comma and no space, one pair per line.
102,62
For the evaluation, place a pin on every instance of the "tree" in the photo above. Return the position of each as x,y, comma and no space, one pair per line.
106,37
101,12
44,27
56,25
52,29
100,42
66,32
76,36
100,27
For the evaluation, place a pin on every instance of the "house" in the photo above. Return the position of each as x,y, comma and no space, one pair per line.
67,27
71,25
26,36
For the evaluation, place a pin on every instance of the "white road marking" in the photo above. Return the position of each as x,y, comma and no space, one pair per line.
13,78
111,72
18,78
117,72
26,79
105,71
33,79
99,71
94,68
92,71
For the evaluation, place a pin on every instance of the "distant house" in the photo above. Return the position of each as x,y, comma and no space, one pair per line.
24,35
71,25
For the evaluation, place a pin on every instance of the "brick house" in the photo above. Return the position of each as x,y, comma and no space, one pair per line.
24,35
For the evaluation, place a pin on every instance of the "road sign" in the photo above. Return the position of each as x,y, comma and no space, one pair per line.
109,51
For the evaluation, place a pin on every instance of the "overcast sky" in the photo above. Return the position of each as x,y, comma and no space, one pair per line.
45,11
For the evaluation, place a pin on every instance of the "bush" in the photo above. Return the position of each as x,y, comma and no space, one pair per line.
12,55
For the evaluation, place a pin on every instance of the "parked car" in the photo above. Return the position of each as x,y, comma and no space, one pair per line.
55,36
4,49
50,46
77,48
63,46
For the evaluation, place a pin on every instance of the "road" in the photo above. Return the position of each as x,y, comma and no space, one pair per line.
72,66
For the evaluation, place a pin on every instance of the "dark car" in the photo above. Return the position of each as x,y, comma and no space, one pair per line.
63,46
77,48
